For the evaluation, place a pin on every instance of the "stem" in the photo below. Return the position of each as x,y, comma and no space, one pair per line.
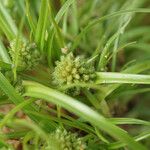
59,115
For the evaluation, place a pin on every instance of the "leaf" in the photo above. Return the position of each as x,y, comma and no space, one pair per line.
17,99
140,137
137,68
129,121
14,110
63,9
5,19
42,24
29,17
4,54
39,91
112,77
99,20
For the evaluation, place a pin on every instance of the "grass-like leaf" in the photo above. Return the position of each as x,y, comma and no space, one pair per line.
40,91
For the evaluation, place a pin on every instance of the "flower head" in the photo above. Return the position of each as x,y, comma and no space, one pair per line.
27,54
63,140
72,69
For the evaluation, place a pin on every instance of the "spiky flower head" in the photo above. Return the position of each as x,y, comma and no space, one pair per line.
70,70
27,54
63,140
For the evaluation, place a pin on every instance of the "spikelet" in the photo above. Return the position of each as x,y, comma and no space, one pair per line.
63,140
70,70
28,54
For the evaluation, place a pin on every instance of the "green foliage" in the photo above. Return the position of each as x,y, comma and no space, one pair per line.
94,97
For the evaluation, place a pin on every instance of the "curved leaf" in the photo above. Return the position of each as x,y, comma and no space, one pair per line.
39,91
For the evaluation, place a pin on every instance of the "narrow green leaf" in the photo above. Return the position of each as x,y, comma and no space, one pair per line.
55,29
137,68
6,30
112,77
4,54
129,121
14,110
32,126
140,137
104,54
17,99
29,17
41,25
63,10
99,20
15,135
39,91
8,18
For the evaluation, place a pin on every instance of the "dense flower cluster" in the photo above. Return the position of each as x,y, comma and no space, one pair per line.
70,70
28,54
63,140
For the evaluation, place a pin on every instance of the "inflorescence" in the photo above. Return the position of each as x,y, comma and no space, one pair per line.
27,54
73,70
64,140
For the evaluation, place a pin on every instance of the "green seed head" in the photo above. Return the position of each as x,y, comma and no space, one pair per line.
63,140
27,54
72,69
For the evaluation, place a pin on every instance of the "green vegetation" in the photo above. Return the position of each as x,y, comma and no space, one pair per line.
74,74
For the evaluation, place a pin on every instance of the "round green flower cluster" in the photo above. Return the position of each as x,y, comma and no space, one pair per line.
28,54
63,140
70,70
